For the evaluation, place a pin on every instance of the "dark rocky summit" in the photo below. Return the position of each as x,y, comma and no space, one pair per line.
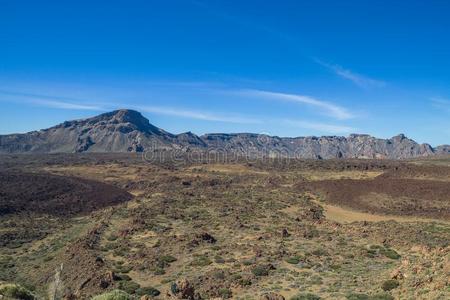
128,131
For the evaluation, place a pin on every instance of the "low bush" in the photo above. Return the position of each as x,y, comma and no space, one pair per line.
248,262
123,269
307,296
319,252
112,237
129,286
376,250
167,259
150,291
260,271
201,261
293,260
219,260
390,253
225,293
245,282
219,275
389,285
355,296
380,296
16,291
114,295
122,277
159,271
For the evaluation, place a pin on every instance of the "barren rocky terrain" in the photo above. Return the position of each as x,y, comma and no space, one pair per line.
118,226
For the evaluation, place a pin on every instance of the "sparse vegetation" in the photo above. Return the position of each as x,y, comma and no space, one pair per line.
378,296
15,291
129,286
150,291
114,295
225,293
305,296
390,253
236,231
260,270
293,260
389,285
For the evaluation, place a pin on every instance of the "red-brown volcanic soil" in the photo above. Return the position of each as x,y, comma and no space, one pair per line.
55,195
387,195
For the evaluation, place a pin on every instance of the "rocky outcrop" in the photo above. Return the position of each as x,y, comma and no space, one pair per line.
443,150
128,131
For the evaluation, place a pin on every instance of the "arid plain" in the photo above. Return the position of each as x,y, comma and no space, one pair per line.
75,226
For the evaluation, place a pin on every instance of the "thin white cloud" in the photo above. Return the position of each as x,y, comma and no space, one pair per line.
65,105
440,103
358,79
48,101
327,108
76,104
320,127
199,115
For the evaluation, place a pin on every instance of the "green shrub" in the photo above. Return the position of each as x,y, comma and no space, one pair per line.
375,250
355,296
389,285
167,259
260,271
307,296
390,253
112,237
123,269
219,260
16,291
372,253
114,295
159,271
293,260
375,247
380,296
150,291
316,279
111,246
319,252
219,275
245,282
202,261
248,262
225,293
129,286
47,258
124,277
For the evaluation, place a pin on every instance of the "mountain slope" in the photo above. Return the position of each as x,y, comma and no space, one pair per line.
128,131
117,131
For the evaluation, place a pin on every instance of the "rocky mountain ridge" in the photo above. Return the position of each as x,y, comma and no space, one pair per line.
128,131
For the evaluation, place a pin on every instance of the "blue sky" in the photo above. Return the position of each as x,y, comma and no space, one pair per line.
287,68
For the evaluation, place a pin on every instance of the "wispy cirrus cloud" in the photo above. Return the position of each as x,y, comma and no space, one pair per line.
320,127
198,115
325,107
65,105
358,79
440,103
49,101
79,104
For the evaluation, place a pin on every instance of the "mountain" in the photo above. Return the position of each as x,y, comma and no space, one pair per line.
128,131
